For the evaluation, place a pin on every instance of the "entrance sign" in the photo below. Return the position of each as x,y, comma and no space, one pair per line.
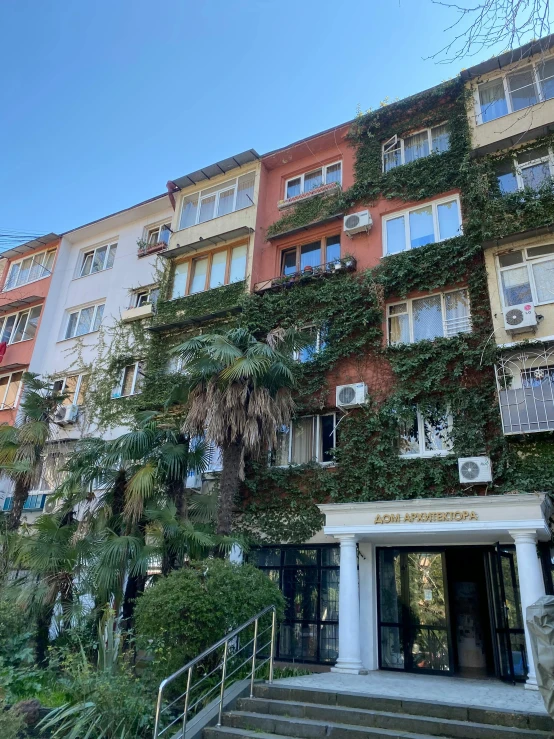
434,517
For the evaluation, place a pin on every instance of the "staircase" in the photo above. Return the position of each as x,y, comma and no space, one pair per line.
281,711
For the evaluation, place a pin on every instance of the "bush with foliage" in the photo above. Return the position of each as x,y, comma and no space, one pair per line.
12,723
190,609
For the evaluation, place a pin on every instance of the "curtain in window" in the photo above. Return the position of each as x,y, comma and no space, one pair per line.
332,252
310,255
516,287
238,264
293,187
399,324
188,213
180,280
392,157
543,272
416,147
427,318
422,230
440,139
457,312
199,271
409,435
128,377
492,100
245,191
303,450
334,173
226,199
282,448
217,273
312,180
25,271
207,209
289,262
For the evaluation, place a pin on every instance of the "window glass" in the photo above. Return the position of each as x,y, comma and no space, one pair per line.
327,426
71,324
188,213
217,273
4,381
510,258
25,270
310,255
334,173
436,431
226,199
7,328
306,354
49,263
180,280
396,235
99,259
141,299
111,256
392,156
199,270
13,389
87,263
12,277
399,324
545,72
516,287
19,333
531,155
427,317
421,226
302,441
416,146
128,377
289,262
539,251
207,209
332,251
492,100
32,323
312,180
70,388
293,187
409,435
165,233
440,138
457,312
238,264
449,219
506,176
98,317
85,321
536,175
245,191
522,89
543,274
153,236
282,449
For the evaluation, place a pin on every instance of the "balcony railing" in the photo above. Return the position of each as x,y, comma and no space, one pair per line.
321,190
146,247
346,264
525,384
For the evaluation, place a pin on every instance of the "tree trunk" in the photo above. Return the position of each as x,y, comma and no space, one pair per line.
20,493
134,588
228,487
44,620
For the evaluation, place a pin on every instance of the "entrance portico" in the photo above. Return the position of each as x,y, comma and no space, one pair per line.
387,534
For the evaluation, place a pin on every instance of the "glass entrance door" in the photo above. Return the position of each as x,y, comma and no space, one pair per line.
507,616
414,631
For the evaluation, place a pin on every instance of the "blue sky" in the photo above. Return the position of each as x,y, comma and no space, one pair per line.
104,101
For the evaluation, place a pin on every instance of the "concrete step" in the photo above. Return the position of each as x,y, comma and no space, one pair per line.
290,719
231,732
432,709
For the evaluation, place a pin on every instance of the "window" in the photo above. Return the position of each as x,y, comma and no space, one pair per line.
32,503
10,388
311,255
75,386
397,150
212,270
98,260
84,321
312,440
426,224
20,326
317,344
218,200
158,234
532,168
527,86
304,183
146,297
30,269
131,380
425,434
527,275
444,314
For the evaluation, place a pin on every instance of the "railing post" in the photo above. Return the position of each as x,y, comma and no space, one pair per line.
272,651
254,650
223,675
187,694
158,710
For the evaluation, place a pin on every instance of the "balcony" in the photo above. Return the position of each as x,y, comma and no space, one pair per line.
198,308
137,312
145,248
327,189
346,264
525,384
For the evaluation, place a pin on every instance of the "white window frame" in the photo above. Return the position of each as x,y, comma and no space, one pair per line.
318,342
424,453
507,95
301,177
36,260
80,379
4,319
117,392
145,291
84,254
405,214
526,262
4,407
395,139
78,311
518,168
316,429
409,301
159,227
222,188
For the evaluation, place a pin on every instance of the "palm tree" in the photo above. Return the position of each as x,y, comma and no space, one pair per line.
22,446
237,391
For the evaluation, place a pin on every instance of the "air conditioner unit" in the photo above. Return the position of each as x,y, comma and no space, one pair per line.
66,414
520,318
52,505
357,222
475,469
351,396
194,481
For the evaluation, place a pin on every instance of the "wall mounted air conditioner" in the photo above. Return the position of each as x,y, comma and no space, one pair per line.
520,318
66,414
475,469
351,396
357,222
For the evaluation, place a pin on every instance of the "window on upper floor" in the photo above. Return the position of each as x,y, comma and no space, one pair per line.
30,269
218,200
317,344
527,275
210,270
309,439
147,296
424,224
84,320
10,389
75,386
130,381
158,234
426,434
97,260
430,317
298,258
20,326
402,150
304,183
532,168
528,85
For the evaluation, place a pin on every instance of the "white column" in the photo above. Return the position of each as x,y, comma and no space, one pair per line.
349,608
531,586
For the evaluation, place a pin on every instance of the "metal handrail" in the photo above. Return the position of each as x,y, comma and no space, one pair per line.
189,667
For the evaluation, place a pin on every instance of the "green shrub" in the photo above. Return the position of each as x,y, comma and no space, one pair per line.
13,623
12,723
190,609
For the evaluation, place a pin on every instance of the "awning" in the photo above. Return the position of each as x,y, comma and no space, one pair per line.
16,303
22,249
219,238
